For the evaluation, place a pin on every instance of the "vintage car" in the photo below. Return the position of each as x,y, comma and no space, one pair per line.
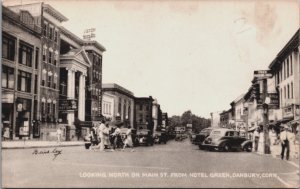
144,137
204,133
160,137
226,140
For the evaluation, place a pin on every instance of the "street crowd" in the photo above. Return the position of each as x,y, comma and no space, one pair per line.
103,136
284,143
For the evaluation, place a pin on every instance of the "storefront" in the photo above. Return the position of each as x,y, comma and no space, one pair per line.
7,112
23,118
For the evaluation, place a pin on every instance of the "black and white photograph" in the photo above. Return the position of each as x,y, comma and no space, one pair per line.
150,94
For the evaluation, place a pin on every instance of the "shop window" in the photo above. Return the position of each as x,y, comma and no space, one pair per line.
8,48
7,77
37,58
24,81
25,54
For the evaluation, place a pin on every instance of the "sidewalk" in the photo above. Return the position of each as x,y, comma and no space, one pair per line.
38,144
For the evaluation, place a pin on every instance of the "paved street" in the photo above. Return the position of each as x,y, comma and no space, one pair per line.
170,165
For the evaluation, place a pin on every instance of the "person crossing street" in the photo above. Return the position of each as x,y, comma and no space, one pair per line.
286,137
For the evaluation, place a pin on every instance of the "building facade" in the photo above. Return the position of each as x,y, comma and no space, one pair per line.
286,74
143,113
123,107
21,64
49,19
108,105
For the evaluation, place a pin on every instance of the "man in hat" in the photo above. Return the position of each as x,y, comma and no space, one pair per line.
286,137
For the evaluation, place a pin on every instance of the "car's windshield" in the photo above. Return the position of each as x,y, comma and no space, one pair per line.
216,133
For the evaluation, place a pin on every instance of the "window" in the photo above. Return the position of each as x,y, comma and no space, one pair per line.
291,65
35,84
292,90
7,77
49,80
49,108
288,91
53,109
25,54
284,69
50,32
281,97
141,106
55,58
37,58
44,54
50,57
141,118
44,72
8,48
55,36
54,81
24,81
45,27
119,106
63,89
43,107
284,92
288,67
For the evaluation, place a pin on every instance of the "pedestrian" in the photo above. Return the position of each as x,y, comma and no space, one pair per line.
6,134
58,133
273,139
116,137
128,140
286,137
255,139
94,137
106,141
100,133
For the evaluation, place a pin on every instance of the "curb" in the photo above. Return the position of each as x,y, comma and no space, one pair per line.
48,146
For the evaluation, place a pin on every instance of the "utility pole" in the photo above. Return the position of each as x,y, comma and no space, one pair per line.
266,102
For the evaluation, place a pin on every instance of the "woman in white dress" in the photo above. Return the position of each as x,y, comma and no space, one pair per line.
128,140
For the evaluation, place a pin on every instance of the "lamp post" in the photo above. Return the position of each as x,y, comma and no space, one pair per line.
266,147
246,112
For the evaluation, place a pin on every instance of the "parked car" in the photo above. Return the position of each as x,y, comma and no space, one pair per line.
144,137
160,137
226,140
204,133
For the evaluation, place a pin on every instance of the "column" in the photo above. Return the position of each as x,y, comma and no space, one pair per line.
81,98
71,94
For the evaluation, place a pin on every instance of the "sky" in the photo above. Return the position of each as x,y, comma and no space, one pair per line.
189,55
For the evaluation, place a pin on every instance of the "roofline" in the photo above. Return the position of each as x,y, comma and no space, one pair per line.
281,53
57,14
71,35
96,44
114,86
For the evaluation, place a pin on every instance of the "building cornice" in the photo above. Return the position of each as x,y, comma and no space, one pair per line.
53,12
291,45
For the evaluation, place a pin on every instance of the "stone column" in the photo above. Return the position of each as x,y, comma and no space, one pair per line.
81,98
71,94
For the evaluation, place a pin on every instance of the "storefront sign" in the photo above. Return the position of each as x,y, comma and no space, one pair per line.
274,101
7,98
288,112
68,104
262,73
85,124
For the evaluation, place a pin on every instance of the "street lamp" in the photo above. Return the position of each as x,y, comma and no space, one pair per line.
266,146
